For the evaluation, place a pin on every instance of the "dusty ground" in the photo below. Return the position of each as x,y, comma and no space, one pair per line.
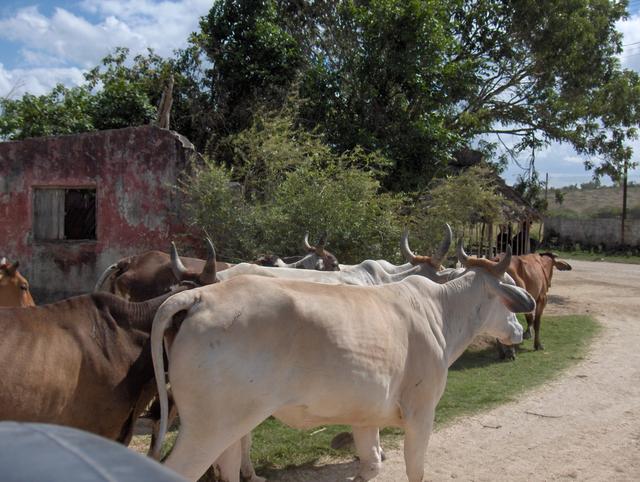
584,426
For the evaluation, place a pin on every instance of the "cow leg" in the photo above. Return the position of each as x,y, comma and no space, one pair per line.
537,344
246,470
192,453
530,322
367,441
229,463
203,438
506,352
417,430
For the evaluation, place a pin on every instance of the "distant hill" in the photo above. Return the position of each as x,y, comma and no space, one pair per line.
601,202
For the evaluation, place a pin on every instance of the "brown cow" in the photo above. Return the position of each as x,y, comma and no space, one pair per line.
14,288
82,362
533,272
150,274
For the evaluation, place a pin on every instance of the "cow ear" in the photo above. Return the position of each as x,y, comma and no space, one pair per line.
516,299
12,268
561,265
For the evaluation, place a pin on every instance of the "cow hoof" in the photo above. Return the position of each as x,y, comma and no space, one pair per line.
343,440
539,346
509,353
383,457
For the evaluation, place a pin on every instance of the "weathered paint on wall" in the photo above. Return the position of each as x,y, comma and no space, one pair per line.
592,232
134,172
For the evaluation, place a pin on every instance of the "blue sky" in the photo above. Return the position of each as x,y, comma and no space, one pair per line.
44,42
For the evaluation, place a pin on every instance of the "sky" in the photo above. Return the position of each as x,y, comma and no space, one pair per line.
45,42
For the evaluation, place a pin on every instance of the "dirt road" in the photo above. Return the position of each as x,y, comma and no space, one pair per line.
587,425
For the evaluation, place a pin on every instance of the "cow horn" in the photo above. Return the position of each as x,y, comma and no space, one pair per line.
3,261
503,264
177,267
439,255
462,256
307,246
208,275
319,249
404,246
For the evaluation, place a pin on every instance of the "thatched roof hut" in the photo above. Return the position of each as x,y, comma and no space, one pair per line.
517,214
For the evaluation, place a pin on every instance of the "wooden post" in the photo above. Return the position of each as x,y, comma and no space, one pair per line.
490,243
164,107
624,203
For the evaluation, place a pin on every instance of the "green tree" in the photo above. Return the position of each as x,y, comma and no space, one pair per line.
120,92
419,79
254,59
62,111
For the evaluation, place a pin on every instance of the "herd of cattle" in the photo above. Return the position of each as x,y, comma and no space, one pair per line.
366,345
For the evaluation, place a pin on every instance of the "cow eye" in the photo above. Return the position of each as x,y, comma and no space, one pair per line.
24,287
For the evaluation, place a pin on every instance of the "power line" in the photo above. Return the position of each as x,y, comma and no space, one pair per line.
630,55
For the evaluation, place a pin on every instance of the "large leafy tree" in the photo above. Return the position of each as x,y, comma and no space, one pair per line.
419,78
253,59
547,71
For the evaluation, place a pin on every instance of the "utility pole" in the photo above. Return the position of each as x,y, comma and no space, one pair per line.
624,202
546,188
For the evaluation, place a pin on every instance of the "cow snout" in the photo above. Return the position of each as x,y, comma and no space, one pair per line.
517,335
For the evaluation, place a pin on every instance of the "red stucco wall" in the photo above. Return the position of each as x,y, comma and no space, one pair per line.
134,171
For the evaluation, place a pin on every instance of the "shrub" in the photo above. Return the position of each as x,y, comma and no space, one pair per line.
283,181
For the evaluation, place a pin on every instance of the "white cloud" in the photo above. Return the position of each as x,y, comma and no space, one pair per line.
65,36
165,25
630,29
72,40
16,82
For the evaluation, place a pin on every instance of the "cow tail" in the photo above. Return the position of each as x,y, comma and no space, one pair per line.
164,316
104,276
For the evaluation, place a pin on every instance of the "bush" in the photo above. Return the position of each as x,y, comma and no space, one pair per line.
215,204
281,182
346,202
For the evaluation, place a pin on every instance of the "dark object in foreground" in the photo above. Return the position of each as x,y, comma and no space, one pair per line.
36,451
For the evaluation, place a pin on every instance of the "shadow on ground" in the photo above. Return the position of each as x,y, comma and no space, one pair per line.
333,472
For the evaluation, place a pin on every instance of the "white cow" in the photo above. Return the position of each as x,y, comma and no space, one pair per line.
314,354
316,258
367,273
410,258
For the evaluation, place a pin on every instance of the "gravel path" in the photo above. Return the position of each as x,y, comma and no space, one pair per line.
587,425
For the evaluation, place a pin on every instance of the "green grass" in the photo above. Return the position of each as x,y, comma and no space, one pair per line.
584,255
477,381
